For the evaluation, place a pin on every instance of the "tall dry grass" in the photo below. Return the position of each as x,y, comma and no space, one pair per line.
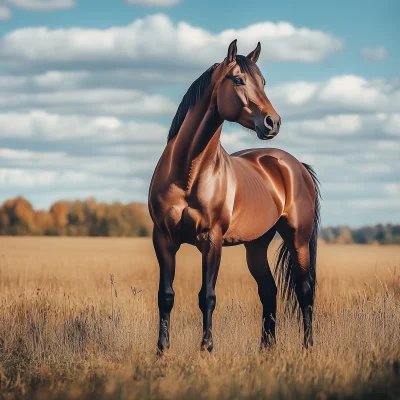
68,331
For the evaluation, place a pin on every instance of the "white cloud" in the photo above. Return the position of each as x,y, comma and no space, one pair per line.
23,178
346,124
360,188
371,204
391,124
91,101
22,156
105,165
101,194
41,125
154,3
129,78
42,5
86,93
374,53
330,125
44,177
156,39
392,188
5,13
339,94
52,79
387,146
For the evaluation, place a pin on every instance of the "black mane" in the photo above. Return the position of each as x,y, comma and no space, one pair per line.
190,99
197,88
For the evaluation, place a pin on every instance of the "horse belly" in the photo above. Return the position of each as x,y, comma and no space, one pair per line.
250,221
257,205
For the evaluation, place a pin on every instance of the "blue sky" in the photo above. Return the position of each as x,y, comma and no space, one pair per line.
88,90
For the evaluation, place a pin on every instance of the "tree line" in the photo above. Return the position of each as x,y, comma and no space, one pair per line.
74,218
382,234
89,218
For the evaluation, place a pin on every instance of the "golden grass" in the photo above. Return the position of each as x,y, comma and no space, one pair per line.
65,334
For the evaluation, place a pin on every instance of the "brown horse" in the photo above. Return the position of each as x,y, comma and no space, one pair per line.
201,195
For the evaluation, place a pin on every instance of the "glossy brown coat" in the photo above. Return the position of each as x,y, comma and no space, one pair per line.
201,195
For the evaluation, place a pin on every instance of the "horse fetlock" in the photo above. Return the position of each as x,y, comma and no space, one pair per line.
308,338
268,341
207,342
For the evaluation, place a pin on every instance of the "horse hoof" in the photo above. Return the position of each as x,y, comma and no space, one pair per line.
308,343
266,346
163,353
162,348
207,345
267,343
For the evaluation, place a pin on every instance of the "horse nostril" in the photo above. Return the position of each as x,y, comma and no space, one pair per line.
269,122
279,123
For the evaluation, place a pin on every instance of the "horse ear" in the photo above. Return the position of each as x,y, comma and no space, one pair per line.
232,51
255,53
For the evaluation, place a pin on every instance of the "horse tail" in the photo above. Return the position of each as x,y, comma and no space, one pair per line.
284,266
317,220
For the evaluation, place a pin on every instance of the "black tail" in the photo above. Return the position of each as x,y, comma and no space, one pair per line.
284,263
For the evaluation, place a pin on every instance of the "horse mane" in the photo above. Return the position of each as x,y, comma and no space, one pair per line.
192,96
198,87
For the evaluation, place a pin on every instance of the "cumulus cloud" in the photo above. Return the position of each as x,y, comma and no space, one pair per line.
129,78
391,123
348,124
59,175
91,101
344,93
33,5
374,53
41,125
331,125
42,5
157,39
42,178
102,93
66,185
5,13
60,161
154,3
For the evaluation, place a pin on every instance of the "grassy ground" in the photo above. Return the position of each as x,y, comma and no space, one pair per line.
67,331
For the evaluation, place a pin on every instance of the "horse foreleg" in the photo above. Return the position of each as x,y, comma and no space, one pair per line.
165,251
211,257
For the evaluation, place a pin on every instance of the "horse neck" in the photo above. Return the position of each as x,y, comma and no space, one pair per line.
197,143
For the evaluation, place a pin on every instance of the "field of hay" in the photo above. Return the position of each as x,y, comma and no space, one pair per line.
67,332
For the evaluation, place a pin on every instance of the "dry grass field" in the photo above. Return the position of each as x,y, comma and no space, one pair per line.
66,332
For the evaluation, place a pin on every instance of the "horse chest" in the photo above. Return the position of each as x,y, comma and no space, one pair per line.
187,218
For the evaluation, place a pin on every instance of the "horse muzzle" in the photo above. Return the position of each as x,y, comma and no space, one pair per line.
268,128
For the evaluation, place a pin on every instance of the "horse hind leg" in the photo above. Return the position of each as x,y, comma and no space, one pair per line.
300,273
256,255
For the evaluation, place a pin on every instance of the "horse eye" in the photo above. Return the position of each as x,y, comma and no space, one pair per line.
239,81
